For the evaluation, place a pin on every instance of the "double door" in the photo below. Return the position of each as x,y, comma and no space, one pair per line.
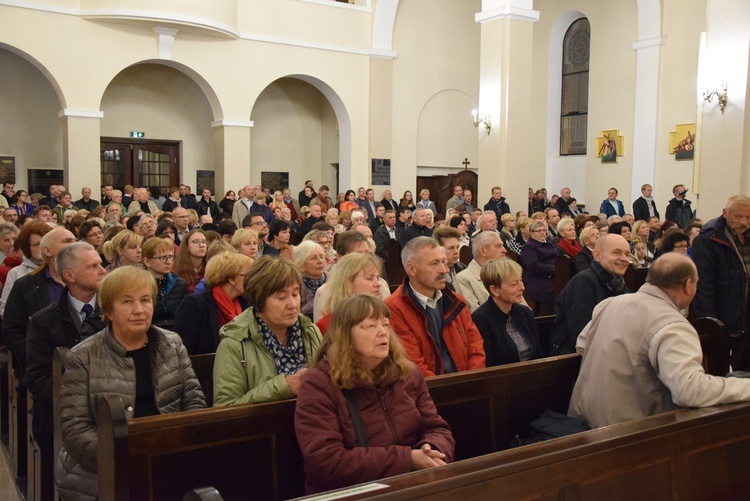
142,163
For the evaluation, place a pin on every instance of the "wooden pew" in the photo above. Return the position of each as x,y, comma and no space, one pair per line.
39,479
464,255
17,424
394,270
684,454
565,268
162,457
714,344
4,393
544,331
634,278
203,365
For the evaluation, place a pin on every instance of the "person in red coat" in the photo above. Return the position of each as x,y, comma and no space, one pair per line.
433,323
361,372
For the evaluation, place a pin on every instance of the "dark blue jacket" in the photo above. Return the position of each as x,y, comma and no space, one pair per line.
607,208
499,347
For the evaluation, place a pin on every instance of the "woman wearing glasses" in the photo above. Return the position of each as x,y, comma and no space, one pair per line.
158,258
190,262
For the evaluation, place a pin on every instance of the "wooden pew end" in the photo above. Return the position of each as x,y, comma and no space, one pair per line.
203,494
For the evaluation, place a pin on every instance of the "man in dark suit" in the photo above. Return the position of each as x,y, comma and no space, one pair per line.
387,231
377,222
417,228
370,204
73,318
644,208
33,292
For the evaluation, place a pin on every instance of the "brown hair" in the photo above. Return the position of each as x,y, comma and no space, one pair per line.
267,276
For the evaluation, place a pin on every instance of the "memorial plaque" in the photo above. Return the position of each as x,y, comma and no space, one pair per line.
40,179
275,181
205,179
381,171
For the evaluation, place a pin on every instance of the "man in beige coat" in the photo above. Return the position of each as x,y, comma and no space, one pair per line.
642,357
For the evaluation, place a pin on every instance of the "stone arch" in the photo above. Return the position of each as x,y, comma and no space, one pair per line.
444,121
382,29
42,69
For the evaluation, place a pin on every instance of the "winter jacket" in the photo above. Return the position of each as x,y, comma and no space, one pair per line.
98,367
197,322
135,206
679,212
499,206
461,337
397,416
50,328
538,260
9,263
413,232
164,311
576,304
722,288
640,209
607,208
205,207
244,369
498,345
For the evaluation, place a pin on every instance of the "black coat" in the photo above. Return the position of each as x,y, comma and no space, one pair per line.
584,259
28,296
204,207
170,205
412,232
640,209
197,322
679,212
576,303
499,206
381,238
389,205
51,327
722,288
164,313
498,345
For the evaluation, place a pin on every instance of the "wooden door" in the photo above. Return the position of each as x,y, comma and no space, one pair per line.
441,187
142,163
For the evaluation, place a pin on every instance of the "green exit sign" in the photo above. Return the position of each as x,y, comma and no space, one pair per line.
135,133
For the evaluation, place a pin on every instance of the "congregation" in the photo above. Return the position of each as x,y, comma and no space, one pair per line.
291,295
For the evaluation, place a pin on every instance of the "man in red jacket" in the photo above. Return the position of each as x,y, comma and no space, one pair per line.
433,323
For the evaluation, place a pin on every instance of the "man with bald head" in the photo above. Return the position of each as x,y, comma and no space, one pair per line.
585,290
642,357
181,220
86,202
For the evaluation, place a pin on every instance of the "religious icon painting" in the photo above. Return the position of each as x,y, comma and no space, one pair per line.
609,146
682,142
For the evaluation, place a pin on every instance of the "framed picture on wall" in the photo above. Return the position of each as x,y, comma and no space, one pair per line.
609,146
8,169
204,179
275,181
682,142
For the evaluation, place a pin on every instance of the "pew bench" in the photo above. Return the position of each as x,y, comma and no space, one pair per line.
251,450
683,454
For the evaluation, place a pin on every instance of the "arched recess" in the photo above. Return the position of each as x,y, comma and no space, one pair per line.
30,128
445,135
562,171
167,101
334,121
382,27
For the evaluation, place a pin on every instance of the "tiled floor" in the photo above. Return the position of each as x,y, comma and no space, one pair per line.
8,491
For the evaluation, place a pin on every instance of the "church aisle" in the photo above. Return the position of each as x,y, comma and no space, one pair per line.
8,491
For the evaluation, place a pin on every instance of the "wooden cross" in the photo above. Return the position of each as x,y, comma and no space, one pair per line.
466,163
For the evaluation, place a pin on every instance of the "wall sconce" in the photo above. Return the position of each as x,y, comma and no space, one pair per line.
721,96
487,121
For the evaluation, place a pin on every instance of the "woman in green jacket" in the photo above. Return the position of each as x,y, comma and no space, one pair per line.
264,350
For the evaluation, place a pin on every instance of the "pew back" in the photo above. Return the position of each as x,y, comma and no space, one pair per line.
251,450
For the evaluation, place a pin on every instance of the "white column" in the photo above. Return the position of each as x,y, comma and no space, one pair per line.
81,151
232,138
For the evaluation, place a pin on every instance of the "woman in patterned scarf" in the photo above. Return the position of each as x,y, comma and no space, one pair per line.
265,349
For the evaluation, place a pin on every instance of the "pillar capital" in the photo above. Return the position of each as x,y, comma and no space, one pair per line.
493,10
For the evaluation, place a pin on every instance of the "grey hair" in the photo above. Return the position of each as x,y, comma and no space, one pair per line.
481,240
68,256
6,227
414,246
303,251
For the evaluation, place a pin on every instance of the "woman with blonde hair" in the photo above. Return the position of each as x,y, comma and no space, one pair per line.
355,273
361,375
640,233
147,367
123,250
506,325
278,201
332,218
200,316
588,238
246,242
190,263
568,244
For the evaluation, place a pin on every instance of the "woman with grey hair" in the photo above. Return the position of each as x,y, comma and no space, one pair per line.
309,256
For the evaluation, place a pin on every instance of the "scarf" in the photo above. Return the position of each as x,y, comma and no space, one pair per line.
289,359
313,285
162,283
571,249
228,308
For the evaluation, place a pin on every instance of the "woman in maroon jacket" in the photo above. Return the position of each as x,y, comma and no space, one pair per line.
362,375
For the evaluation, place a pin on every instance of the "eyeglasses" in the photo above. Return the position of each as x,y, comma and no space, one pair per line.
681,246
163,259
539,230
259,223
197,242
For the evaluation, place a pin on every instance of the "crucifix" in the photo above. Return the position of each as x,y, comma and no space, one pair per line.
466,163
